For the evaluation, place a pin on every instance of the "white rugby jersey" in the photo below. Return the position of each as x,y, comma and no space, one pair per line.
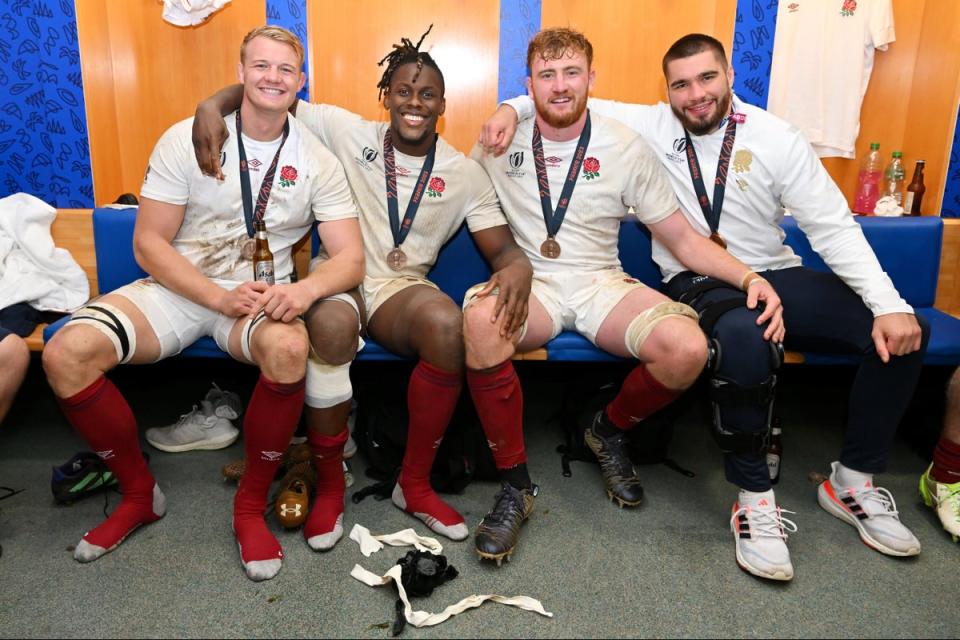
822,60
772,167
458,189
309,185
619,171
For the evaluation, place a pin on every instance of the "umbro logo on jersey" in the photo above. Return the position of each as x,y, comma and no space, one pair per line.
254,164
106,454
553,161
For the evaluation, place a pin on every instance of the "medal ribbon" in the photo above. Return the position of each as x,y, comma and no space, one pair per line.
398,229
553,219
249,213
712,215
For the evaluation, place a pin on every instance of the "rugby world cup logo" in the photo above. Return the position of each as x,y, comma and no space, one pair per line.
516,159
369,154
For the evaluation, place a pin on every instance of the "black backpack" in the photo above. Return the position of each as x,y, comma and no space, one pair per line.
381,436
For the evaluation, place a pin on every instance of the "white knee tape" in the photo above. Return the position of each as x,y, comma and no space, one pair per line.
641,326
111,322
327,384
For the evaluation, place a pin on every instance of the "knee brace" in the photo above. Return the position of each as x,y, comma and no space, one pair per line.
723,389
327,385
111,322
641,326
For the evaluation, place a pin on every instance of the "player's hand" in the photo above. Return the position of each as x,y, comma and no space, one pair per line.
209,134
759,290
512,284
896,334
497,132
285,302
242,300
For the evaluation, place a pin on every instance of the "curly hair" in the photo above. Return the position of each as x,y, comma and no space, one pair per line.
553,44
404,53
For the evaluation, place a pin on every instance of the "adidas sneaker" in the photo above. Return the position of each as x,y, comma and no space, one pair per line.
207,426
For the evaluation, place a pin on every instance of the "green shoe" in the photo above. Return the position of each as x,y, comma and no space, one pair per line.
944,499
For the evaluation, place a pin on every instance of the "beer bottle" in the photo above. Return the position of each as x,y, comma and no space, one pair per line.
915,191
262,257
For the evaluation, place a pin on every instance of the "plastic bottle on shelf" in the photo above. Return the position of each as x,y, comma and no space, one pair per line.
868,187
893,178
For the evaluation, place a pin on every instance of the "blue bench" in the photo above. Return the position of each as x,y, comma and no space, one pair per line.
908,249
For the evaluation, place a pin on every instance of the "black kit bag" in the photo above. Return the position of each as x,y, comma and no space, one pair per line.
381,436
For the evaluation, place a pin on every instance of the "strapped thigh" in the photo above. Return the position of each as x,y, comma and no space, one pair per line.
640,327
111,322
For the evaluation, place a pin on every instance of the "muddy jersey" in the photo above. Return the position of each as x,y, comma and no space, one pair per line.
458,190
309,185
619,172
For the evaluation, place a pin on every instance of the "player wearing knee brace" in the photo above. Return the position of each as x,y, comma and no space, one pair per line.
760,166
566,181
194,238
414,192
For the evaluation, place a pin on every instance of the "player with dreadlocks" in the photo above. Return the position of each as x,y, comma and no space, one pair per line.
414,191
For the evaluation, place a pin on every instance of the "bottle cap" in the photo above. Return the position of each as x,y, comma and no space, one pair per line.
874,146
921,162
897,154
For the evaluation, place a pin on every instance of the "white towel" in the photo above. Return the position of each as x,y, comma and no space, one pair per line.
32,269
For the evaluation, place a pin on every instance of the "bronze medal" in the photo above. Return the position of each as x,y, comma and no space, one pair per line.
550,249
248,248
718,240
397,259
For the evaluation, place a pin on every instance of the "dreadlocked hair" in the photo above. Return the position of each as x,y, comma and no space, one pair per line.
403,53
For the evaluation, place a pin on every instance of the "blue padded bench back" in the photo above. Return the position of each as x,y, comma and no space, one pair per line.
908,250
113,243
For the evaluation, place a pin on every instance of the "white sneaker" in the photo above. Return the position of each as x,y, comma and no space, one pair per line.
872,510
760,533
207,426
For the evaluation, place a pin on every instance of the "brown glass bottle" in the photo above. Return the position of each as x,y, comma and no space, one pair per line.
915,191
262,256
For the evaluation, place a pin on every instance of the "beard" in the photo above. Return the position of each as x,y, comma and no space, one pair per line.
702,126
558,121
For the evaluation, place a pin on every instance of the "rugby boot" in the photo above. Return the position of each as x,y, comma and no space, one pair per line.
619,473
944,499
496,535
292,504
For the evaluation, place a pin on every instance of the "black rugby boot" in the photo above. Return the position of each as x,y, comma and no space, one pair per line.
497,533
619,473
